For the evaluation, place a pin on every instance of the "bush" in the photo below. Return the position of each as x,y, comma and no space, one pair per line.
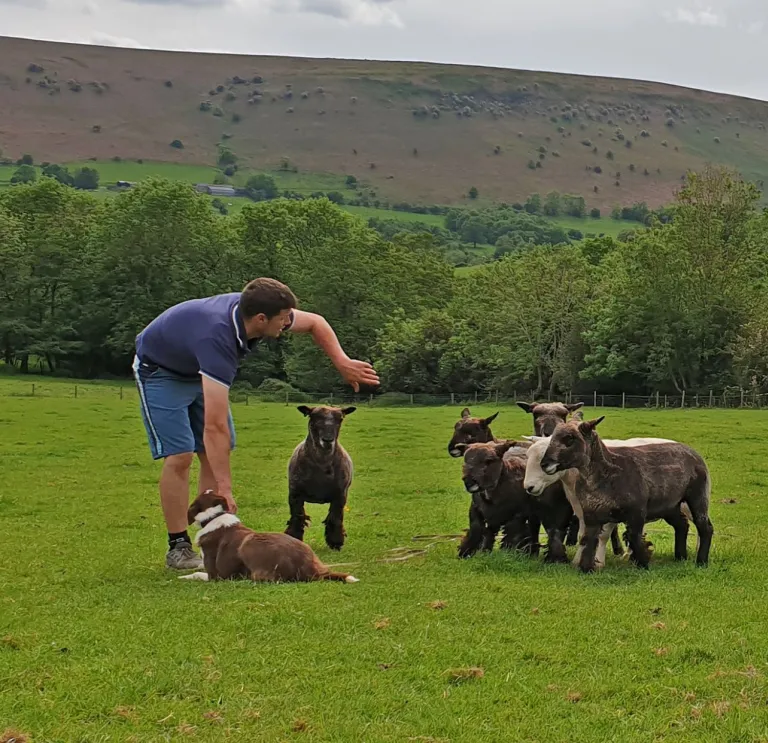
594,213
717,140
670,122
25,160
168,84
96,128
35,68
351,181
230,170
178,144
86,179
261,187
276,390
473,193
609,154
218,111
206,105
336,197
598,169
236,118
532,164
24,174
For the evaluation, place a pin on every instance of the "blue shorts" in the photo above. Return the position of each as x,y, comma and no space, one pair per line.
172,411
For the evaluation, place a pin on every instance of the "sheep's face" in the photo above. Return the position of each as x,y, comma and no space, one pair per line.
470,430
569,447
325,424
546,415
483,465
536,481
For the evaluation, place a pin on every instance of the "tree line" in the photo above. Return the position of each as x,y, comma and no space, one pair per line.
679,305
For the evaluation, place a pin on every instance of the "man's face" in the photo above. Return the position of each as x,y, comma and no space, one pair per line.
274,327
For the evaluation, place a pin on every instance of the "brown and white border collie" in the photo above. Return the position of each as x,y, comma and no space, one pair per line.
231,550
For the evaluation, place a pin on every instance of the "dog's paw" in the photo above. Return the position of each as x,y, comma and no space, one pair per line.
194,576
351,579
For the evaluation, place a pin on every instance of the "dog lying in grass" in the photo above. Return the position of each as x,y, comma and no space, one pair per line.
231,550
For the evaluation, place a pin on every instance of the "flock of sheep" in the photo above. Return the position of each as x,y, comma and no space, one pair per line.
579,487
565,478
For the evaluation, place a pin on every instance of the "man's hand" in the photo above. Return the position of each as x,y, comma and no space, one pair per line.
357,372
231,505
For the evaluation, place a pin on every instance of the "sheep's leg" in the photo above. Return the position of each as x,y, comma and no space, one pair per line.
639,553
555,547
477,536
589,546
680,524
697,499
572,536
616,545
532,545
335,533
516,534
299,519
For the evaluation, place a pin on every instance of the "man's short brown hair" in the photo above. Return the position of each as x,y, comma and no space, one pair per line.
267,296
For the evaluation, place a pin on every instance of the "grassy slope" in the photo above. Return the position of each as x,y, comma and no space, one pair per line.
98,642
367,120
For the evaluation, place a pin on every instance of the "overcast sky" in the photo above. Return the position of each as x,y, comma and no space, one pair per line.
719,45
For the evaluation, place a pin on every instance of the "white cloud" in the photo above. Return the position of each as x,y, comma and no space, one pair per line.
702,17
356,12
102,39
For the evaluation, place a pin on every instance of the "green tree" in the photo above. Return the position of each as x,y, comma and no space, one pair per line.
261,187
552,204
24,174
86,179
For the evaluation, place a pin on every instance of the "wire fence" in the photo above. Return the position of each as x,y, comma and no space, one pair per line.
729,398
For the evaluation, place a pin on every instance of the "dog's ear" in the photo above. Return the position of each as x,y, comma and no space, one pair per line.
193,510
304,409
349,410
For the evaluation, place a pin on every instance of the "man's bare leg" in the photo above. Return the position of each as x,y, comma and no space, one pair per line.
206,480
174,497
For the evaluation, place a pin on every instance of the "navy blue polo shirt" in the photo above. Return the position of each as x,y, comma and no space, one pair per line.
200,336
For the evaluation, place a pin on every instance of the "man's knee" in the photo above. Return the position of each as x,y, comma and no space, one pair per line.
180,464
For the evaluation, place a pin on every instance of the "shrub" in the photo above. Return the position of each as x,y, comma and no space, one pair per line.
586,142
336,197
24,174
609,154
289,110
645,133
218,111
178,144
532,164
25,160
262,184
555,153
230,170
351,181
220,88
96,128
628,144
632,167
74,86
168,84
353,99
86,179
594,213
230,96
598,169
206,105
473,193
305,95
717,140
257,79
670,122
236,118
542,149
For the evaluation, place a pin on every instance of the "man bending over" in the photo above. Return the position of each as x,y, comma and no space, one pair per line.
186,360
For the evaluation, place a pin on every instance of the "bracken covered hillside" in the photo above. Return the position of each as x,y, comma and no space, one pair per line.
422,133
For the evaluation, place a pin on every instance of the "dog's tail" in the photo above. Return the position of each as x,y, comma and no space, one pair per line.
343,577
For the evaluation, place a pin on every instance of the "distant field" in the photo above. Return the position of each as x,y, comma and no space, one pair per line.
99,642
604,225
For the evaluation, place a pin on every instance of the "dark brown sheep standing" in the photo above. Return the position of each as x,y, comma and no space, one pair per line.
320,471
496,484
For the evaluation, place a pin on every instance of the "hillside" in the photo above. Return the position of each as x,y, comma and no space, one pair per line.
422,133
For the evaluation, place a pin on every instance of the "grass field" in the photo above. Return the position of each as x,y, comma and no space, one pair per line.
99,643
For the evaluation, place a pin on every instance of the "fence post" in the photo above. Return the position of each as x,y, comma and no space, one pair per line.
453,398
286,398
623,399
246,399
331,398
665,402
682,402
657,399
602,401
697,399
475,397
33,389
370,399
412,398
121,391
76,392
594,399
711,399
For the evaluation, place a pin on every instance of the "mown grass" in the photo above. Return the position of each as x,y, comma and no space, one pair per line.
98,642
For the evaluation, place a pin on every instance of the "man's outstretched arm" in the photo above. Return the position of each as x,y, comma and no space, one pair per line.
353,371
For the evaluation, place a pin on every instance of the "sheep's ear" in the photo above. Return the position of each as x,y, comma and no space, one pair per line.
349,410
461,448
465,413
487,421
304,409
588,427
573,407
525,406
505,446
